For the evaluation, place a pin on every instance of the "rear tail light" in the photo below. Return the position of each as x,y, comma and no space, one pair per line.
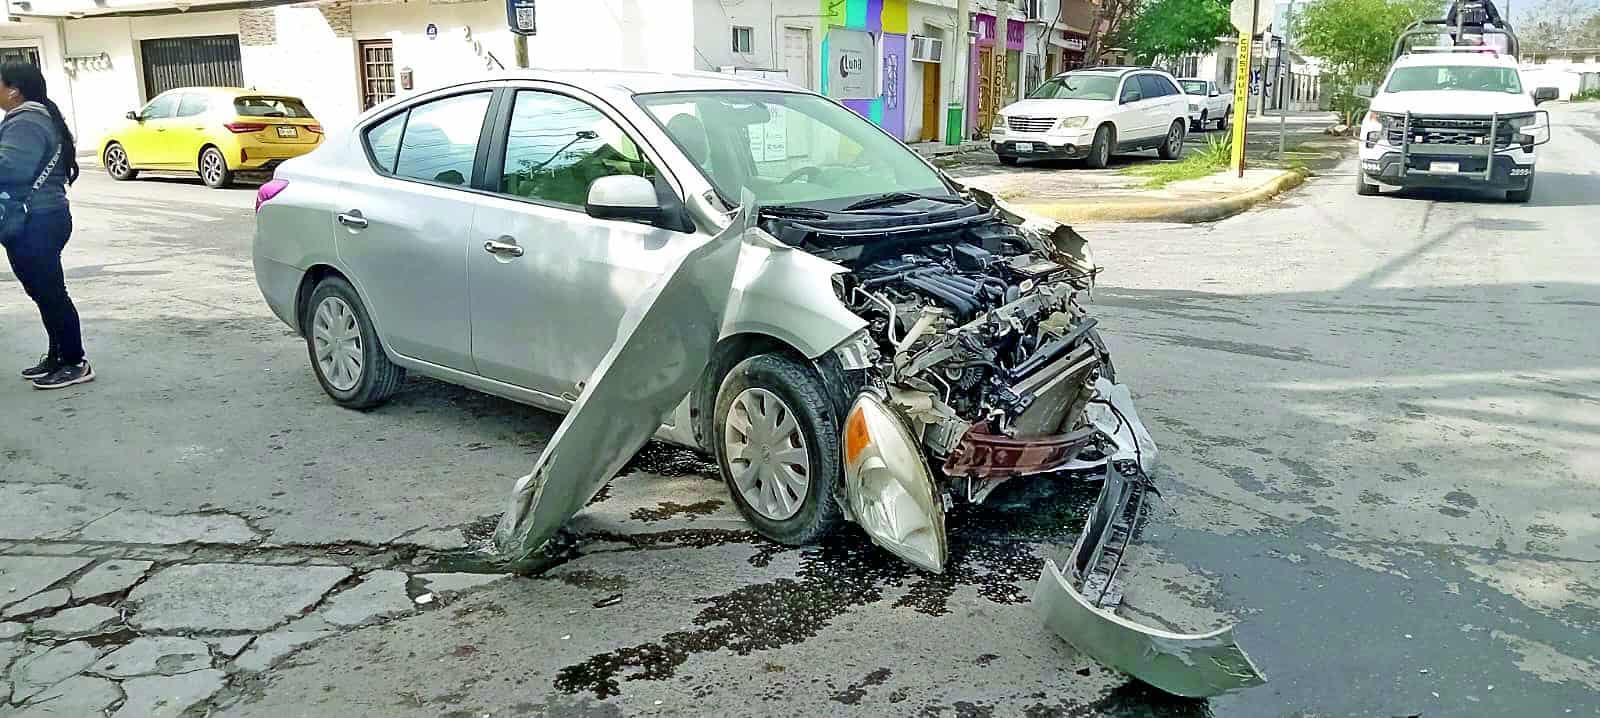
269,190
315,128
244,127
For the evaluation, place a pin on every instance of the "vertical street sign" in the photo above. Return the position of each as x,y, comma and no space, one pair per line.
1242,76
520,17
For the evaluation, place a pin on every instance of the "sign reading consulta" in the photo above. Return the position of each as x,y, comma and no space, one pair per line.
852,64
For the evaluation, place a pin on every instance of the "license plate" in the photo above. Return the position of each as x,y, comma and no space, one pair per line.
1451,167
288,132
1024,146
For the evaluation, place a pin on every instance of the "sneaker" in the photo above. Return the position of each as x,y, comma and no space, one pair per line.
47,365
66,376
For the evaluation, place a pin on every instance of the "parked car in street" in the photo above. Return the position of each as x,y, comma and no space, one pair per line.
215,132
1207,103
1093,113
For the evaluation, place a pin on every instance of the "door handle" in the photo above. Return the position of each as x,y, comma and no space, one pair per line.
352,219
503,247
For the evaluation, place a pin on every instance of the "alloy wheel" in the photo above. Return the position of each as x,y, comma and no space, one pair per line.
336,335
116,161
212,168
767,454
1174,139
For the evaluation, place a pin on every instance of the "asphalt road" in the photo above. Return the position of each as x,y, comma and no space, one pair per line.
1380,456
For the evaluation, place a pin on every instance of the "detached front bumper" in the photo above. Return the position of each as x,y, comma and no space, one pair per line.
1078,597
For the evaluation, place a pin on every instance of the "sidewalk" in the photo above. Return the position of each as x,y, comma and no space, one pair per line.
1070,192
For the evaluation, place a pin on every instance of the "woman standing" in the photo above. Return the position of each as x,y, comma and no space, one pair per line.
34,142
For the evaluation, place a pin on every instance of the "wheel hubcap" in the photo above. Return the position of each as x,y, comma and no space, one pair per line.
117,161
767,454
336,338
1174,139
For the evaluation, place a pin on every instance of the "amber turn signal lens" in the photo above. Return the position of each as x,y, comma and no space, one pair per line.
856,437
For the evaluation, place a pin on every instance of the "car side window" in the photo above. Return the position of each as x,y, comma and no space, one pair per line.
383,141
1168,86
558,145
1131,91
1151,87
440,140
191,104
160,108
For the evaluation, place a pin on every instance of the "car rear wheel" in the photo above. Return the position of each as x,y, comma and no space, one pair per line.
777,442
1173,148
346,353
214,169
1100,151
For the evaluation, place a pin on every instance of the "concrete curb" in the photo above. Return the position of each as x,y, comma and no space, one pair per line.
1173,210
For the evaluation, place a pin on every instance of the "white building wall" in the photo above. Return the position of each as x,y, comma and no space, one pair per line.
46,37
105,92
310,61
924,17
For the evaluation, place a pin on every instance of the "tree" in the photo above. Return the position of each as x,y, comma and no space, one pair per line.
1559,25
1110,17
1355,41
1174,28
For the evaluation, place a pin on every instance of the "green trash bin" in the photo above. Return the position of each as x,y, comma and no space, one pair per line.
955,126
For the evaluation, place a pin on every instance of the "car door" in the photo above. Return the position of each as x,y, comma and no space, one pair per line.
187,132
145,139
405,226
549,283
1130,119
1156,105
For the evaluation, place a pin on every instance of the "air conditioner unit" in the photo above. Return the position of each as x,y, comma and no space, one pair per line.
926,49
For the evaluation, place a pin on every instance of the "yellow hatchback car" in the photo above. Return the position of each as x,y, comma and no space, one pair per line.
212,131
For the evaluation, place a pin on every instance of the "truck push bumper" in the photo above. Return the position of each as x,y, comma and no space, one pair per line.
1396,169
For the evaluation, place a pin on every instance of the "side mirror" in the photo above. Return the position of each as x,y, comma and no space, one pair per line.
1545,94
1213,93
625,197
132,115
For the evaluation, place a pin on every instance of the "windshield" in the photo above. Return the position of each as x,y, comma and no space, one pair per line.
788,148
1077,87
1194,87
1469,78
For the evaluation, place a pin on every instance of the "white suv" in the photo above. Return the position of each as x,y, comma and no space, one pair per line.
1429,125
1093,113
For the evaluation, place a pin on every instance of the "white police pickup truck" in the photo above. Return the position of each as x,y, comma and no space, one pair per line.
1453,116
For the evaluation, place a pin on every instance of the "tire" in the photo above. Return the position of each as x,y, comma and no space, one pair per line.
214,170
1201,125
1363,187
1172,148
1100,151
1008,161
1222,124
803,399
376,379
1521,196
117,163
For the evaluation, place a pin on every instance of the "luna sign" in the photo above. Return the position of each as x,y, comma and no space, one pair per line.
853,61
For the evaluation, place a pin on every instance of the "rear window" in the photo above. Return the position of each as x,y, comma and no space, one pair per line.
271,107
1194,87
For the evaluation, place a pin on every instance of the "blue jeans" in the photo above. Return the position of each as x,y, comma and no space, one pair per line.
35,257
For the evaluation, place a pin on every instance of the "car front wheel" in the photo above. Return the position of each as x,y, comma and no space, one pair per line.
345,351
1100,151
777,442
117,163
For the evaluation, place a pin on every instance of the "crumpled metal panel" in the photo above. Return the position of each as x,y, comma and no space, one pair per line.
662,348
1078,598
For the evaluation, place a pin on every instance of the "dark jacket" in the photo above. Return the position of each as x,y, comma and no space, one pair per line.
27,138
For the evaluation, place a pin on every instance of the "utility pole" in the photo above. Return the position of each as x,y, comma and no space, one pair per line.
1002,41
956,113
